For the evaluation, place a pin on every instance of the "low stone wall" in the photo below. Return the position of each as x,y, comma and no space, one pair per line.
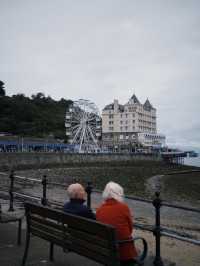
28,160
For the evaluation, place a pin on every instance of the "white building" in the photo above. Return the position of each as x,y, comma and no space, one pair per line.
151,140
126,126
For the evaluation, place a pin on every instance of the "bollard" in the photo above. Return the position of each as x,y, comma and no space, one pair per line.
11,176
157,202
88,189
44,190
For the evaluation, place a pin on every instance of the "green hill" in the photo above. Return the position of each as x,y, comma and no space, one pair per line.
38,116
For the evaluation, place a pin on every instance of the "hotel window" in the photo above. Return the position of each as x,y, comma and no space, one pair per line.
121,136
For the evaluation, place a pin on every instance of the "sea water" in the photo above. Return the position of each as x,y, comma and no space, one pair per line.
194,161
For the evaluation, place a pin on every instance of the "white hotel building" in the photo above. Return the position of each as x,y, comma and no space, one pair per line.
125,127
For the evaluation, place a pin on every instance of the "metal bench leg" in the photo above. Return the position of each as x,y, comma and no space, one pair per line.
26,248
19,232
51,257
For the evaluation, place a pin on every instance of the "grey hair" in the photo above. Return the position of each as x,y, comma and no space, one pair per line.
76,191
113,191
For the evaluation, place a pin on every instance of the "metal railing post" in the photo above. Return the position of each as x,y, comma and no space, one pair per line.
11,176
88,189
44,190
157,203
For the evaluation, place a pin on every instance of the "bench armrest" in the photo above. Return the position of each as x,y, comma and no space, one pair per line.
140,259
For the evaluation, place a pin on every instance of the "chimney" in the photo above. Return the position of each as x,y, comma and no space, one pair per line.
116,106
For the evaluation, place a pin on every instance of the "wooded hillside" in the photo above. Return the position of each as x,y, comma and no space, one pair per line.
38,116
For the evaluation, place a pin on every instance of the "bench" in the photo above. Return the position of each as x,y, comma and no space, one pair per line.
89,238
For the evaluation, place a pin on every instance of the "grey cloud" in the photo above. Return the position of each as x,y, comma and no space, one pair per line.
103,50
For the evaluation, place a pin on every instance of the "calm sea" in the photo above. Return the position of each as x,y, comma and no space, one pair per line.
195,161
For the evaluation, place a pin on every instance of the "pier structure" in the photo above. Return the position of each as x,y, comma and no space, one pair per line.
174,157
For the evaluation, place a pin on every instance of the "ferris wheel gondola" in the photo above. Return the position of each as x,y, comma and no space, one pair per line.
83,125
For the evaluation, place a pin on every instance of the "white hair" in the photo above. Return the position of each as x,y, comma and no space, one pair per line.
113,191
76,191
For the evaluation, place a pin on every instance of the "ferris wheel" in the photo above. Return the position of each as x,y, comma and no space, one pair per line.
83,125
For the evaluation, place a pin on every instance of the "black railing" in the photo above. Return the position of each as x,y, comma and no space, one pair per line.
157,203
44,190
11,176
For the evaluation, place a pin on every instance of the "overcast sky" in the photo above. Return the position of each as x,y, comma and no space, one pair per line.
103,50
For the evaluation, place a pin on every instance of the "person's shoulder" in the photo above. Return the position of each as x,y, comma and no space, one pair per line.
101,207
87,212
123,205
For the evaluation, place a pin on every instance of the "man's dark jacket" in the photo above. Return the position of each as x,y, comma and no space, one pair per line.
77,207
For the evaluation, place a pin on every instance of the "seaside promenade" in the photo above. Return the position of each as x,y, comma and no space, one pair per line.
11,254
173,252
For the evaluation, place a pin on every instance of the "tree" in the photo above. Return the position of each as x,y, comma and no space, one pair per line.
38,96
2,91
38,116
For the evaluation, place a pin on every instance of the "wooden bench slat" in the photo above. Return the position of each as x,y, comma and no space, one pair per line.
46,221
44,228
102,242
51,238
95,247
87,225
45,212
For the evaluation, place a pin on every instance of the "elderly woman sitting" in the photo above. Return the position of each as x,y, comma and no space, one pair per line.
116,213
77,195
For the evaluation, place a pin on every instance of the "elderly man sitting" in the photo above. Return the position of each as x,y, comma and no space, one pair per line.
77,195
